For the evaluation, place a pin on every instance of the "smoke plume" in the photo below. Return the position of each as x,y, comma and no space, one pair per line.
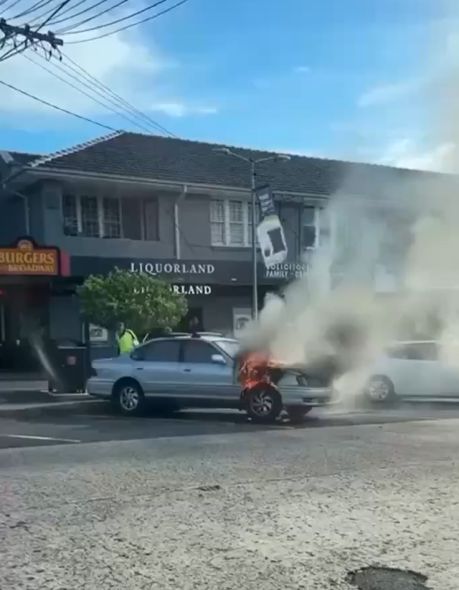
388,269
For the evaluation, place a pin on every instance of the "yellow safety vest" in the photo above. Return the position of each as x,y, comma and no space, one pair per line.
127,341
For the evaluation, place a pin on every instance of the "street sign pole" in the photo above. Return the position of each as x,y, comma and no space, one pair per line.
253,182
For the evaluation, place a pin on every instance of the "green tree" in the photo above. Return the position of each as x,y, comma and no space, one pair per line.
142,302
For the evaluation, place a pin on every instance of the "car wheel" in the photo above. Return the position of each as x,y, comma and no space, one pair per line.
379,390
297,414
129,399
263,404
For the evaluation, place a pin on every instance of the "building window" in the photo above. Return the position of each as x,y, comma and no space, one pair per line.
150,220
69,211
310,228
111,217
230,223
217,223
91,216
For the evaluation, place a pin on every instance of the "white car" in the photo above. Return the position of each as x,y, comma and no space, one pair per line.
413,370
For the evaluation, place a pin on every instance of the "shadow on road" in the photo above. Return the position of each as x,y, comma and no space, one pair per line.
100,411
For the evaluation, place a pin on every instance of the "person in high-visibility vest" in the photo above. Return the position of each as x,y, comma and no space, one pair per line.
126,339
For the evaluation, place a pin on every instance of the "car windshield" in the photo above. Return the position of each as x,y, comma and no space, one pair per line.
231,347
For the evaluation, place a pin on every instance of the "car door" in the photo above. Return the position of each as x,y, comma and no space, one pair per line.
157,367
427,377
207,372
447,374
404,364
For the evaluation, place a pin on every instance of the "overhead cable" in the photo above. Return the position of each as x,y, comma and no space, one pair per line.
56,107
129,26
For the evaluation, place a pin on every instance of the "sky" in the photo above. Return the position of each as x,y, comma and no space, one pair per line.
347,79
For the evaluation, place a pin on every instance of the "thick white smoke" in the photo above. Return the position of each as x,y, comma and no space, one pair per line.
389,268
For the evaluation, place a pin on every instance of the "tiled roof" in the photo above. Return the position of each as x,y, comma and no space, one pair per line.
166,159
23,158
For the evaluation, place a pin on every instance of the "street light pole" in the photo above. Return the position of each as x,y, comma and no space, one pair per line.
253,186
253,190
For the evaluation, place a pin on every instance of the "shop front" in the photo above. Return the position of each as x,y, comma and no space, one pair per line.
219,293
29,274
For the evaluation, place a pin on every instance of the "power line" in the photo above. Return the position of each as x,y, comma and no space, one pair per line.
30,35
116,112
12,5
61,20
57,108
165,11
114,22
45,14
32,9
97,87
86,75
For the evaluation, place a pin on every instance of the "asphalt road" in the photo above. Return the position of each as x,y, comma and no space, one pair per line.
209,501
94,421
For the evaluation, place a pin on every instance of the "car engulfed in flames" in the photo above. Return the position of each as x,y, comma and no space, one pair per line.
269,385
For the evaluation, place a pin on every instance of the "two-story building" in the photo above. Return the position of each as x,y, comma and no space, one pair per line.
169,207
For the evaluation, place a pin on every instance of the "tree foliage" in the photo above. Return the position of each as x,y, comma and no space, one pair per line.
142,302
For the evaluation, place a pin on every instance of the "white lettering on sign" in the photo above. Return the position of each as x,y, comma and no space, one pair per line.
286,271
168,268
192,289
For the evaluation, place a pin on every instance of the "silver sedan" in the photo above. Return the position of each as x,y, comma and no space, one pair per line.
189,371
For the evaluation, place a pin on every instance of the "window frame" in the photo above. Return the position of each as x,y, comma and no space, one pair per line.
100,215
315,224
246,222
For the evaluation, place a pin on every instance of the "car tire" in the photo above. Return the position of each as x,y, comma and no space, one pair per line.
128,398
263,404
297,415
379,390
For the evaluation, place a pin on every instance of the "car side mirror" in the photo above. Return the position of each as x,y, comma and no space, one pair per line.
218,359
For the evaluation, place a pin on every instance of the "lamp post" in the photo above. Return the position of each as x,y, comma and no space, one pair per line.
253,185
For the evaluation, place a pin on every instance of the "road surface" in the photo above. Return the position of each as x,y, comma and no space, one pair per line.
208,501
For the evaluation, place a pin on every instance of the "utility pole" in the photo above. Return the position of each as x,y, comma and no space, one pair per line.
31,36
253,190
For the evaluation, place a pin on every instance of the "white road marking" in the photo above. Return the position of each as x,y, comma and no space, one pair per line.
30,437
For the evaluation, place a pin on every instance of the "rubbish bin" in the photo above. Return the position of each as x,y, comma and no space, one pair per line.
70,368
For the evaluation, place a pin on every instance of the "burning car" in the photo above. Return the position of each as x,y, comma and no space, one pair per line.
268,386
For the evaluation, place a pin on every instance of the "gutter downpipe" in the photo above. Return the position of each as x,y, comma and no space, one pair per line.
180,198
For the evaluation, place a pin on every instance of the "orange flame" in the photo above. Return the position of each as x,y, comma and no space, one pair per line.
254,370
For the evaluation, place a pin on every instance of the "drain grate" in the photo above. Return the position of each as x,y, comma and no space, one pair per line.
384,578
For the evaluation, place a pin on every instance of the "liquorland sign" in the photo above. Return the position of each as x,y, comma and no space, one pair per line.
192,272
172,268
26,258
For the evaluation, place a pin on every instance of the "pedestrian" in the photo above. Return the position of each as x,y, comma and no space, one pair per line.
125,338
